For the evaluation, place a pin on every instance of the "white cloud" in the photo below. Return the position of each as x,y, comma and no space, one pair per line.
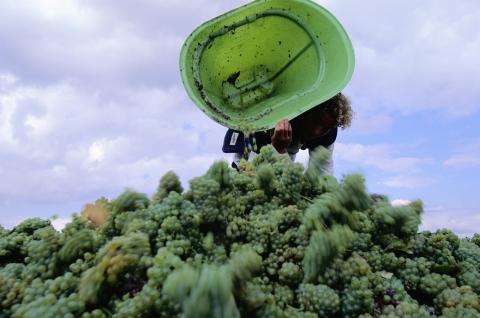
6,111
409,182
6,80
10,221
464,222
466,156
65,143
69,12
59,223
380,156
100,44
413,56
91,99
400,202
365,123
106,148
464,160
408,171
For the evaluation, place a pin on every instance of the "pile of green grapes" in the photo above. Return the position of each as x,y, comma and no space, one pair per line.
274,239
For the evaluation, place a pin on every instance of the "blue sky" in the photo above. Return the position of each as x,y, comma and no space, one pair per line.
91,102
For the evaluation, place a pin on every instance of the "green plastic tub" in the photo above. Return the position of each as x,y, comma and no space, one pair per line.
266,61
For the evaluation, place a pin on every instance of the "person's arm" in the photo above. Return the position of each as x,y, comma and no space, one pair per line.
328,168
282,136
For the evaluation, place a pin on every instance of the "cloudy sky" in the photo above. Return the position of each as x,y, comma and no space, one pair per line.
91,102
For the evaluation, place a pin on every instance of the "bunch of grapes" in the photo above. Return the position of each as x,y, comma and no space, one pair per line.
271,240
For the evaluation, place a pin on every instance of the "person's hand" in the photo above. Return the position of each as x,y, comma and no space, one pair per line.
282,136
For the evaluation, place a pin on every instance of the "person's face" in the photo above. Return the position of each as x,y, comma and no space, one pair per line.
313,127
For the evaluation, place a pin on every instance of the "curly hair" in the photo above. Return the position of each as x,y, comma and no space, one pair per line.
340,108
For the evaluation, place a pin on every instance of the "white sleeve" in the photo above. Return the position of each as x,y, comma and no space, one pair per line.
328,169
237,157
